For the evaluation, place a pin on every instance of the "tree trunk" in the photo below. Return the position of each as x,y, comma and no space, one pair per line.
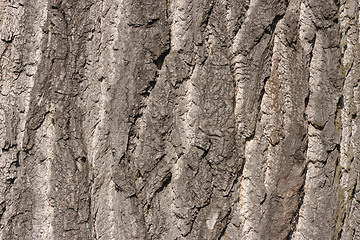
179,119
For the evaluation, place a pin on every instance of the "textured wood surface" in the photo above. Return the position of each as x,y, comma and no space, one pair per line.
179,119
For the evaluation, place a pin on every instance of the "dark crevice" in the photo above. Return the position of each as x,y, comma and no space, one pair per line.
160,60
354,190
306,100
8,146
196,213
206,151
138,174
312,42
338,117
349,70
227,218
123,156
191,225
262,92
2,212
205,22
135,118
9,40
117,188
341,230
10,180
306,103
337,146
134,195
164,183
353,234
55,7
270,28
295,218
354,116
264,199
150,86
135,25
252,135
152,22
16,163
236,179
42,120
188,77
94,223
340,103
318,126
167,9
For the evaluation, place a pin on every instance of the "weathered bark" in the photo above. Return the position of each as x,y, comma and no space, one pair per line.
179,119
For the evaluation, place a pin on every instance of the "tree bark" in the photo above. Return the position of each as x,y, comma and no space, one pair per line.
179,119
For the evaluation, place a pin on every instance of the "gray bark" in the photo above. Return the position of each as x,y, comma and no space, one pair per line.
179,119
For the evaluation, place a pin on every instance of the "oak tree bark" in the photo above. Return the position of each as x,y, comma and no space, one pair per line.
179,119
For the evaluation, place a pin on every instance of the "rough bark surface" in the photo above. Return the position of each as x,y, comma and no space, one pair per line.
179,119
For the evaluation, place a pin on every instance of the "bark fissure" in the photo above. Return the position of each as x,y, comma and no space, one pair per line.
179,119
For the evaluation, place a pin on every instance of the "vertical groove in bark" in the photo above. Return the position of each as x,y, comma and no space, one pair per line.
179,119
